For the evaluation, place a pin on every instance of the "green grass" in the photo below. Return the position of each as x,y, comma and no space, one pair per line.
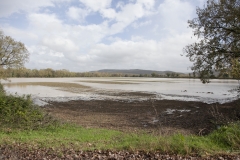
23,123
226,140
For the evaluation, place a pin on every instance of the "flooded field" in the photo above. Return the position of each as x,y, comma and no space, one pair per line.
131,89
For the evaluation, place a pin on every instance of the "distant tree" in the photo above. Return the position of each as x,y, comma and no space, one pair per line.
168,74
194,74
225,75
12,53
212,76
153,74
173,74
218,29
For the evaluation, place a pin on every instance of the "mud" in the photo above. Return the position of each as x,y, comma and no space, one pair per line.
151,116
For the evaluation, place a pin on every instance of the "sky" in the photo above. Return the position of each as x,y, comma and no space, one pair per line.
89,35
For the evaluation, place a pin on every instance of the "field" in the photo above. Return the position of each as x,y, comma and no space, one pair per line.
117,128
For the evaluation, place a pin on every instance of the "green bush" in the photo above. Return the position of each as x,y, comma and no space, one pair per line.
20,112
2,91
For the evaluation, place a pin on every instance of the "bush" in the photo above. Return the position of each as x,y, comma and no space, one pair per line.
2,91
20,112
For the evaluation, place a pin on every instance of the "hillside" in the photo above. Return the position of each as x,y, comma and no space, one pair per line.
136,71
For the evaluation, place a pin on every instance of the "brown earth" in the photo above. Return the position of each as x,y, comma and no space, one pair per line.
149,116
18,152
22,153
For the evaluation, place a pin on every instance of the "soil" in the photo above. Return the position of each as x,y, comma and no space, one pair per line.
158,116
22,153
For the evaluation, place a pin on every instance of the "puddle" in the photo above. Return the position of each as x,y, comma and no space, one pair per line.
155,121
171,111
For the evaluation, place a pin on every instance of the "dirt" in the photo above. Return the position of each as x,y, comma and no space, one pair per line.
22,153
159,116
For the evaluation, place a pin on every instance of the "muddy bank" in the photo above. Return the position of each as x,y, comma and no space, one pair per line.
158,116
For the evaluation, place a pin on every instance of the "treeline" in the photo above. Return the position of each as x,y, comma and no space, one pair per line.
24,72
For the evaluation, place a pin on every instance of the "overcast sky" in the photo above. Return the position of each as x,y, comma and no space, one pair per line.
87,35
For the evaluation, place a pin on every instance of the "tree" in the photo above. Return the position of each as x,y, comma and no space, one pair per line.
168,74
13,54
154,74
173,74
236,69
218,29
194,74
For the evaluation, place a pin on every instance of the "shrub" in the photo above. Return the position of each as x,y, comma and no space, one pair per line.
2,91
20,112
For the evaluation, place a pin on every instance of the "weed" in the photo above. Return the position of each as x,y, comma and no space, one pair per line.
219,119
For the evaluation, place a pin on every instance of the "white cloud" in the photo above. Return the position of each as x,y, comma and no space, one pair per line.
60,44
137,38
19,35
96,5
201,3
114,41
140,53
130,13
49,62
174,14
44,22
70,40
120,4
8,7
108,13
78,14
44,50
44,57
140,24
148,4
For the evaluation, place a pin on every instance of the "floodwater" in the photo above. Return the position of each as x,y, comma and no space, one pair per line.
99,88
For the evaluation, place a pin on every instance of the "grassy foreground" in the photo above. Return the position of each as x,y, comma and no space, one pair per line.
21,122
223,141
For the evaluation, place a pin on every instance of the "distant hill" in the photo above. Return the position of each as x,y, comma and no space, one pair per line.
136,71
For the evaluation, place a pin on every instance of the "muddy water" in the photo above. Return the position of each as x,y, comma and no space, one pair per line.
99,88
